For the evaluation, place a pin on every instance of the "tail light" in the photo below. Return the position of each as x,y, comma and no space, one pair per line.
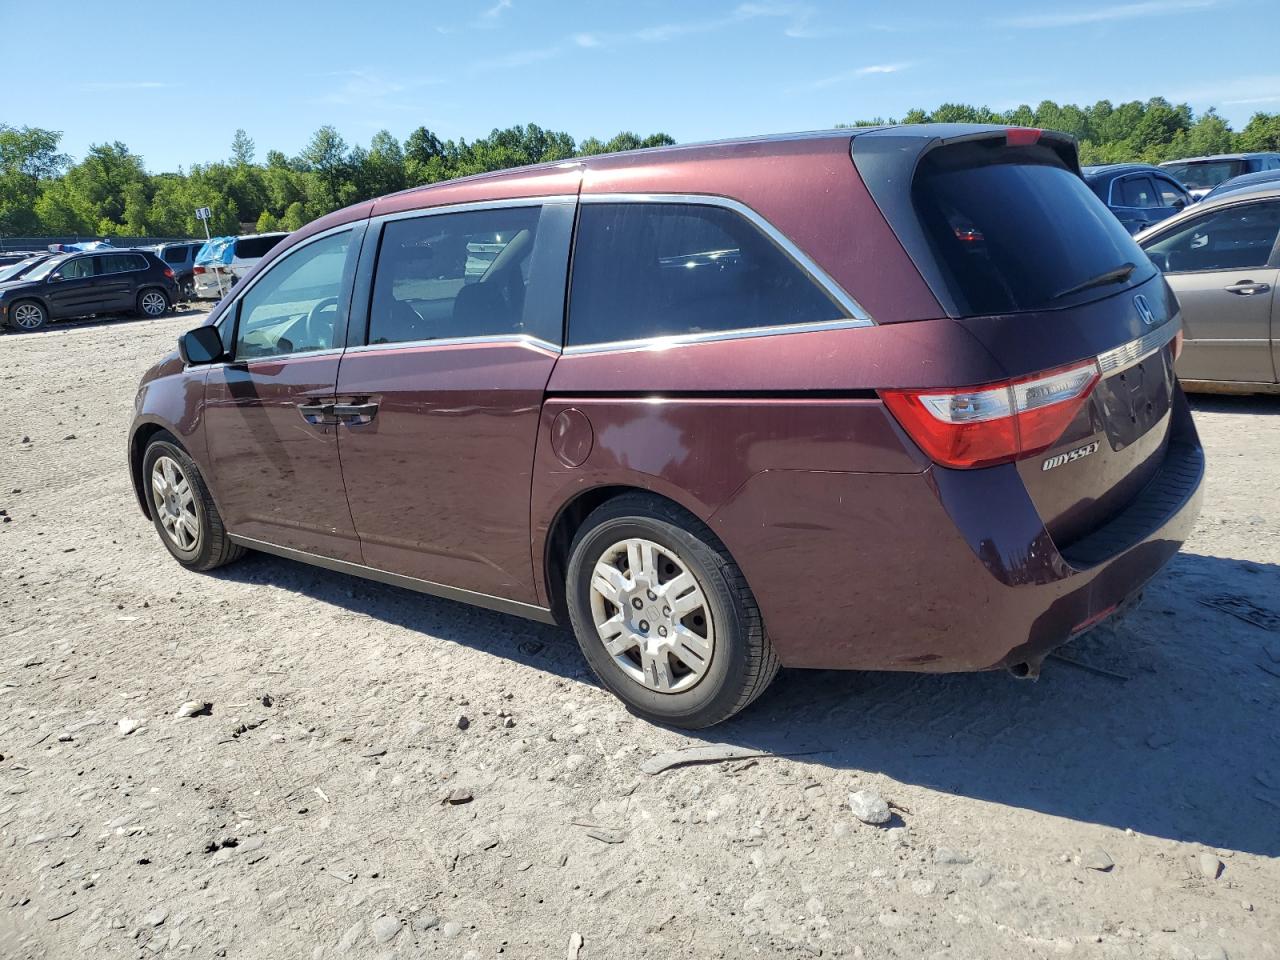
1177,345
197,270
168,272
994,423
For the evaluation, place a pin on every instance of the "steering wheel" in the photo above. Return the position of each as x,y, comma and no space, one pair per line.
316,335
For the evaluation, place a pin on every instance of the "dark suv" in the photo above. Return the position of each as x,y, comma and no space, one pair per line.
181,258
895,398
80,284
1139,194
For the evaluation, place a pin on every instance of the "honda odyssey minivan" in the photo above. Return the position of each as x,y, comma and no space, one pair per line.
897,398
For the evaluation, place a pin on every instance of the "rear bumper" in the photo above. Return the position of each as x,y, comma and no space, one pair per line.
948,570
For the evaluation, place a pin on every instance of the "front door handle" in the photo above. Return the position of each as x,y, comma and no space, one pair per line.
317,413
1247,288
355,412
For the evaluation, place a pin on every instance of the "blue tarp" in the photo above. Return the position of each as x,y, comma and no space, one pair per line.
219,250
80,247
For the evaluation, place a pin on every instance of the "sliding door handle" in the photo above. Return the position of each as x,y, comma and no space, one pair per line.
316,413
355,412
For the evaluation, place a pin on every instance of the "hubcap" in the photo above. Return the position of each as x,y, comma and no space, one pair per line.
153,303
27,315
175,504
652,616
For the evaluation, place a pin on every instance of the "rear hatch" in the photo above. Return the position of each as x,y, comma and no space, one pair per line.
1023,255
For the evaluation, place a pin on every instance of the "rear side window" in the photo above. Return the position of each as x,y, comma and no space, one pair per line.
644,270
122,262
1239,237
454,275
250,248
1015,230
176,254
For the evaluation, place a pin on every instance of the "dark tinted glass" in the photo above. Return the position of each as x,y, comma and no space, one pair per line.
1239,237
80,267
1170,192
251,247
454,275
1014,233
1205,173
645,270
177,254
1136,192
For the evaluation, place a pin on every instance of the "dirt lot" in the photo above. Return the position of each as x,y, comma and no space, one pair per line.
304,817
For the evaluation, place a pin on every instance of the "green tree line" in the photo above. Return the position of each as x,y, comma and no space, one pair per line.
1115,133
110,192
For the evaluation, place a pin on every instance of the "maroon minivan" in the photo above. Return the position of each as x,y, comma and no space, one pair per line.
897,398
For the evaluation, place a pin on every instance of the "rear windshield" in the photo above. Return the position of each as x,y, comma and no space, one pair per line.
1205,173
248,248
1015,230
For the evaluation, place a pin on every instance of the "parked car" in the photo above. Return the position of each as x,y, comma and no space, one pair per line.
891,398
9,257
1222,259
79,284
1139,194
1201,174
211,281
181,259
1242,181
18,270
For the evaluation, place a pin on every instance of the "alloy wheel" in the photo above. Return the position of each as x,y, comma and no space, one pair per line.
652,615
175,504
28,316
154,303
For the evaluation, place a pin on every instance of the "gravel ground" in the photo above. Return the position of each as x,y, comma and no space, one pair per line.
1126,805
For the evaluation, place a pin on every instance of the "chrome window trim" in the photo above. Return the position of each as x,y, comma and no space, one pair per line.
521,339
1135,351
517,608
855,310
685,339
470,206
271,356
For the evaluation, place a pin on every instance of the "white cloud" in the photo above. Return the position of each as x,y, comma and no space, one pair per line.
870,70
1124,11
492,14
587,40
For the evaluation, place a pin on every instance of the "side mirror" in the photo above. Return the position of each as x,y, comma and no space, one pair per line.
201,345
1179,204
55,277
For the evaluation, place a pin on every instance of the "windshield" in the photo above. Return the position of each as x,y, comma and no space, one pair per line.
46,268
16,270
1016,231
1205,173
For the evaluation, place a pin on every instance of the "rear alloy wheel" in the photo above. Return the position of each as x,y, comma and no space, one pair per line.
28,315
183,510
152,303
663,614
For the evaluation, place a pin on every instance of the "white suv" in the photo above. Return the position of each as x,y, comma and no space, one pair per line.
214,279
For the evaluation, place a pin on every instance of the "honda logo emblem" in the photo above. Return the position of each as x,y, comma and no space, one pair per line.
1144,310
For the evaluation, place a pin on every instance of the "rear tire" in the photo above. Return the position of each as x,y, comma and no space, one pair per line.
663,614
152,303
182,508
28,315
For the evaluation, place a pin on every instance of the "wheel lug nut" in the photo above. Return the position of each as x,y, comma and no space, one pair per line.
666,611
652,595
637,603
644,626
662,631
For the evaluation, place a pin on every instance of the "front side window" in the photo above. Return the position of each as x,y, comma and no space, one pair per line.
1137,192
1170,193
1233,238
644,270
76,269
454,275
294,306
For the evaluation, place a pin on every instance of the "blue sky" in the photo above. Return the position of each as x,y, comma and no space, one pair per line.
174,81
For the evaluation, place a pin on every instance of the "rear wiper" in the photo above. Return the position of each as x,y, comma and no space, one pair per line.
1118,275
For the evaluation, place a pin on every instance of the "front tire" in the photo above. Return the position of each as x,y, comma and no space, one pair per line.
27,315
664,616
183,510
152,303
